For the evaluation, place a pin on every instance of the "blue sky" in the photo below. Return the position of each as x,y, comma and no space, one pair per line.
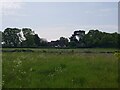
51,20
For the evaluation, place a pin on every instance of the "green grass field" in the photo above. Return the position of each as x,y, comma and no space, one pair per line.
60,68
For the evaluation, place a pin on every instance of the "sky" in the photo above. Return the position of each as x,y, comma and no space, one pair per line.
51,20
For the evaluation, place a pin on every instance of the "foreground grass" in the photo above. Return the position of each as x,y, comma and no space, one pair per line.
59,70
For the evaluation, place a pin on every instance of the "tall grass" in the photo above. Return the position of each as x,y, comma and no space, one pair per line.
59,70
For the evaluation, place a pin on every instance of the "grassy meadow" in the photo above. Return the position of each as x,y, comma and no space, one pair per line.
60,68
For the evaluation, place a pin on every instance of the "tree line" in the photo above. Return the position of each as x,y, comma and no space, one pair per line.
26,37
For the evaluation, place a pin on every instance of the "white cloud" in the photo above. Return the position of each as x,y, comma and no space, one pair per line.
104,28
71,0
54,33
105,10
101,12
11,4
89,12
9,7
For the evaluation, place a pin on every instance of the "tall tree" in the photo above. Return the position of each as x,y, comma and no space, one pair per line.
77,39
30,38
37,40
11,38
63,42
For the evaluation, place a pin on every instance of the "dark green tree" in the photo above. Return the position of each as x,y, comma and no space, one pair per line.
10,37
63,42
37,40
30,38
77,39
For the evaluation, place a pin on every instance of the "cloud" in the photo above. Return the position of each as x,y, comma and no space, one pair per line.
9,7
105,10
101,12
11,4
69,0
54,33
104,28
